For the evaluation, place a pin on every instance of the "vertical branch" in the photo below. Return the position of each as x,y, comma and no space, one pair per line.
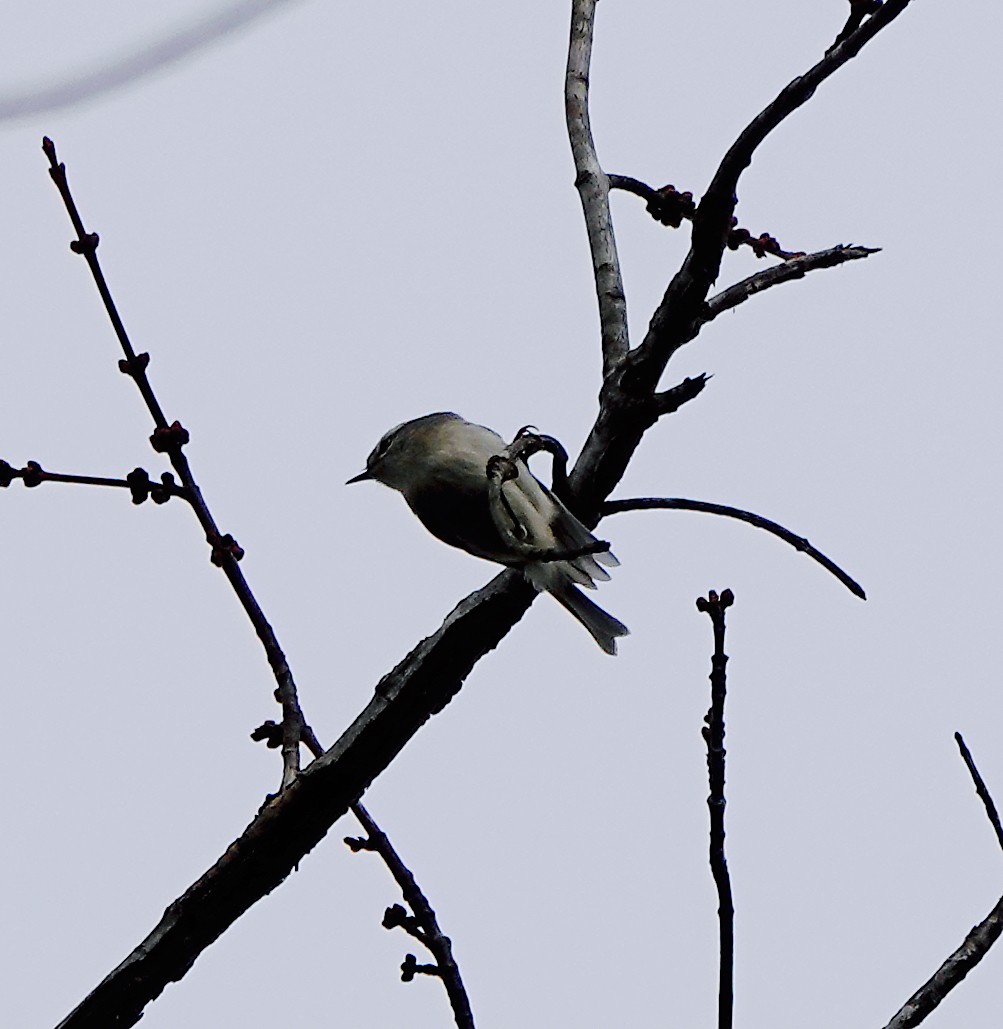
593,188
713,734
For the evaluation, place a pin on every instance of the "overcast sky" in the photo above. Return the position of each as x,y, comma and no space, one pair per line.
346,215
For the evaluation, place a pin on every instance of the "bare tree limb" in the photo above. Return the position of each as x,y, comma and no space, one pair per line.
796,268
679,315
713,734
171,440
294,821
428,931
980,788
680,504
951,972
593,188
977,942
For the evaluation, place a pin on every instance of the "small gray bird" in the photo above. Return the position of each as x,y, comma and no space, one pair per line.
439,462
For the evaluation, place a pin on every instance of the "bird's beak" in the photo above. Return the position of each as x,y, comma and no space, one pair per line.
361,477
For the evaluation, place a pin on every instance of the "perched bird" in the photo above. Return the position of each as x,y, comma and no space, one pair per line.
439,462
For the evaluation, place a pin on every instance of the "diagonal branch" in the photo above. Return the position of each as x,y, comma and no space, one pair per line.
294,821
428,930
951,972
796,268
679,504
980,787
170,439
593,188
977,942
679,315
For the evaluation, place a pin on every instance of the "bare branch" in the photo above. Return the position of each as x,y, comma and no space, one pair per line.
138,481
679,315
669,401
294,821
428,932
713,734
679,504
951,972
796,268
980,787
171,440
593,188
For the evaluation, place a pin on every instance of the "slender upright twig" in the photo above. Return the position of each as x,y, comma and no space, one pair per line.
424,926
593,188
713,734
680,504
980,788
170,439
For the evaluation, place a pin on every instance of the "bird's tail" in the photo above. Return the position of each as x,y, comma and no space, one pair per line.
601,624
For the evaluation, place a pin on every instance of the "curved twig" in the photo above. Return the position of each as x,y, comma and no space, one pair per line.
680,504
109,73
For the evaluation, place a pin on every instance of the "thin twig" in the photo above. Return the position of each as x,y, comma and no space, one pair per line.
170,439
980,788
680,504
593,188
426,930
671,207
951,972
796,268
713,734
138,482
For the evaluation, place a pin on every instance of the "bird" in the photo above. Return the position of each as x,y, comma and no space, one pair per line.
439,463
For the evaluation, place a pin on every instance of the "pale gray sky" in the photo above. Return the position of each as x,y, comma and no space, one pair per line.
347,215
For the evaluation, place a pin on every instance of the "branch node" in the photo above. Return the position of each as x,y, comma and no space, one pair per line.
31,474
169,439
87,244
224,547
135,365
410,968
